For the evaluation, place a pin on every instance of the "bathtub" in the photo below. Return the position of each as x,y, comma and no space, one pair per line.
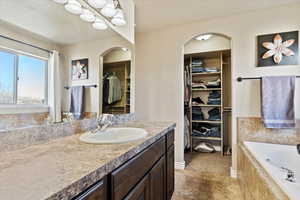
277,160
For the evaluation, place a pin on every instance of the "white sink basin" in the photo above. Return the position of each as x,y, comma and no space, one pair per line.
114,136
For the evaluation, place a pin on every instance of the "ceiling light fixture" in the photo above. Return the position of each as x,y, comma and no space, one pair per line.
99,24
118,19
74,7
109,9
60,1
97,3
203,37
124,49
87,16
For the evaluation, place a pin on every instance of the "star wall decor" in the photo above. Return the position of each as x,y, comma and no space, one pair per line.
278,49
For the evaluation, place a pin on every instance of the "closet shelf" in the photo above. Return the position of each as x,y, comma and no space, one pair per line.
207,138
206,74
207,121
208,89
206,105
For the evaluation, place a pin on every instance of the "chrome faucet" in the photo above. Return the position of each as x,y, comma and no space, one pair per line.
104,121
298,148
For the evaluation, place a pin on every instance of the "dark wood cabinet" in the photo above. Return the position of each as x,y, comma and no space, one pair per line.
147,176
158,180
170,172
141,191
96,192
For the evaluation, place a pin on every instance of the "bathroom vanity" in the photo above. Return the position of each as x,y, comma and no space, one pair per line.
66,168
149,175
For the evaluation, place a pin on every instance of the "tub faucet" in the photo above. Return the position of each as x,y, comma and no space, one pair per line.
104,121
298,148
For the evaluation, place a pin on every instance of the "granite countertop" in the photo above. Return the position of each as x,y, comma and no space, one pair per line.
64,167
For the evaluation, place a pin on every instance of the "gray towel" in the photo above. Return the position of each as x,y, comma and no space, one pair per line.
77,101
278,109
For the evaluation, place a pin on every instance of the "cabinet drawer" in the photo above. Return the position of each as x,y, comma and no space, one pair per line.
170,138
96,192
128,175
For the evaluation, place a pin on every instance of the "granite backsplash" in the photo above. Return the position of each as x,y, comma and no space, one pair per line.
252,129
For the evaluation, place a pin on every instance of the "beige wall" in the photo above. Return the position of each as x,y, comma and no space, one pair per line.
93,50
159,65
215,43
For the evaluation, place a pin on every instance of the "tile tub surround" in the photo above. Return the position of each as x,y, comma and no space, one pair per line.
22,120
256,184
252,129
62,168
18,138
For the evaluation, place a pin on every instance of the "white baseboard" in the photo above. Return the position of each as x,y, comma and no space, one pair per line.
180,165
233,173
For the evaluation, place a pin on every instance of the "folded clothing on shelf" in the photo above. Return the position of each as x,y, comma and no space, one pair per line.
197,113
214,84
197,100
214,98
214,114
205,147
197,62
206,130
198,69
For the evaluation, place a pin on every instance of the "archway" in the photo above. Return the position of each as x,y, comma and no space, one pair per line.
208,93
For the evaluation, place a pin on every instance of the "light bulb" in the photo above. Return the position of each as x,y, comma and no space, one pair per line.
60,1
73,7
99,24
109,10
118,19
97,3
87,16
203,37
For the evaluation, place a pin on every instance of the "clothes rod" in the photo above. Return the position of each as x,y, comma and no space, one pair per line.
240,79
86,86
40,48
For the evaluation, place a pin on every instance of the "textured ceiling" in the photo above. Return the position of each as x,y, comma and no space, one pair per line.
49,20
153,14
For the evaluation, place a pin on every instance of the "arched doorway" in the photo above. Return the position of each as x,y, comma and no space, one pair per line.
207,95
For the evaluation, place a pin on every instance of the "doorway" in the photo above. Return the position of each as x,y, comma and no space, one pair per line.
116,78
207,96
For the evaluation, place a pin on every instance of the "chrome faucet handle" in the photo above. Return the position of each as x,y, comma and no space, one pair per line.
104,121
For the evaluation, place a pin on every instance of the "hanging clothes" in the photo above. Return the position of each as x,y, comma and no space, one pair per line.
115,89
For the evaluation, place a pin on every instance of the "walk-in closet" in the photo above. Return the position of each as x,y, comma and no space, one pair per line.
116,81
207,84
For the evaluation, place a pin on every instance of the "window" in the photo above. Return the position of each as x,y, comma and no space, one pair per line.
22,79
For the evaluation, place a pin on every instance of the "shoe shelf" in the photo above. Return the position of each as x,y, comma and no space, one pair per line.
207,121
208,89
206,74
206,105
207,138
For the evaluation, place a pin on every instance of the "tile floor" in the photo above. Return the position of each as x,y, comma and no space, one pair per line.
206,177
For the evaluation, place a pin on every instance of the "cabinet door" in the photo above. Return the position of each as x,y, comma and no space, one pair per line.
170,172
158,180
141,191
96,192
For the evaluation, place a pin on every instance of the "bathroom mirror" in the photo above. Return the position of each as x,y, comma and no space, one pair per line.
28,95
116,86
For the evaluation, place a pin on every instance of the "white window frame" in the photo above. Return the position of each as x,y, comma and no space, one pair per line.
14,108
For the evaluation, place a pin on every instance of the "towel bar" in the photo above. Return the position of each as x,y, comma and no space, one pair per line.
240,79
86,86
